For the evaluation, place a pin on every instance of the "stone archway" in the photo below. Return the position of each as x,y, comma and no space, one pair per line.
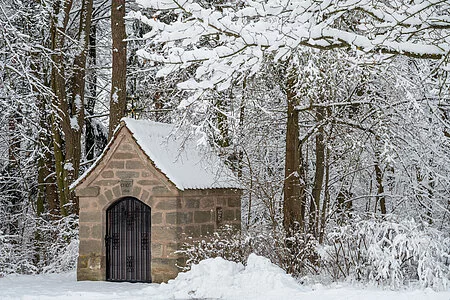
128,241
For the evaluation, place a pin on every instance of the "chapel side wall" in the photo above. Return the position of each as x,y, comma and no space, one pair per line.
90,259
197,217
127,172
198,214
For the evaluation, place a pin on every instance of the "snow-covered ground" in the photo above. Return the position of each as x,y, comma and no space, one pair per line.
211,279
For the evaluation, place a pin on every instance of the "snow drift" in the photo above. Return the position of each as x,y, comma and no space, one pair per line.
219,278
213,278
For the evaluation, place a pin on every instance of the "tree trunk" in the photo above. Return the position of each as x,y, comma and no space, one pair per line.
294,182
43,172
92,89
117,104
222,123
73,143
326,199
68,112
59,118
15,119
380,188
314,207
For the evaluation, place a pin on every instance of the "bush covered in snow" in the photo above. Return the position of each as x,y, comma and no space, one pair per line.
296,254
226,244
45,245
61,253
383,251
14,256
388,251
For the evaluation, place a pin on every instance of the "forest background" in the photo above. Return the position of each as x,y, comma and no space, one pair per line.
334,116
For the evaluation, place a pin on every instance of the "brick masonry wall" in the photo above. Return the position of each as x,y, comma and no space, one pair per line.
176,215
204,211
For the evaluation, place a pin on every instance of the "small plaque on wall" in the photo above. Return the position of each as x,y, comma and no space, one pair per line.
126,186
219,215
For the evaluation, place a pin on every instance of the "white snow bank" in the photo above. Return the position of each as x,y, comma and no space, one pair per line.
217,278
211,279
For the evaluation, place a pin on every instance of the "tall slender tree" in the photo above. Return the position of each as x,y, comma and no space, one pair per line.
117,104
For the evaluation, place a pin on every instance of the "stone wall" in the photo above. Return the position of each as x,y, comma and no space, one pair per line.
204,211
176,215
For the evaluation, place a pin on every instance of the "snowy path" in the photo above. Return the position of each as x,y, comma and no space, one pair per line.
211,279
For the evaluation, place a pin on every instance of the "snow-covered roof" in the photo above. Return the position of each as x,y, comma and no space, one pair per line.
180,159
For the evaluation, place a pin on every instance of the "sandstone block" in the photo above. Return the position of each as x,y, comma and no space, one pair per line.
148,182
234,202
167,204
221,202
90,217
136,191
89,246
179,218
202,216
127,174
117,191
97,231
157,250
192,203
106,182
134,164
163,233
91,191
116,164
88,274
107,174
207,203
124,146
102,201
84,231
109,195
124,155
160,190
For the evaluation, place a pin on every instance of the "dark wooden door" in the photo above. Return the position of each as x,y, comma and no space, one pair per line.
128,241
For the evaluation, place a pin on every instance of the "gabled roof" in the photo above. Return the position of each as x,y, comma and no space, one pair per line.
180,159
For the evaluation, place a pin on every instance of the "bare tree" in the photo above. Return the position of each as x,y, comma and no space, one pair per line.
117,104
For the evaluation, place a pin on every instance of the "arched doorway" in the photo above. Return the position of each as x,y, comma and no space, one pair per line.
128,241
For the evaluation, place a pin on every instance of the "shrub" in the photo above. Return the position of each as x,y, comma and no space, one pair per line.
45,245
59,254
296,253
388,251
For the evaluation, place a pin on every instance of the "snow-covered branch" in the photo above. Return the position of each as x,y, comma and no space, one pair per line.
243,34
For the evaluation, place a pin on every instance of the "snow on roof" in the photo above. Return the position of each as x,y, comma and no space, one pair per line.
179,158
